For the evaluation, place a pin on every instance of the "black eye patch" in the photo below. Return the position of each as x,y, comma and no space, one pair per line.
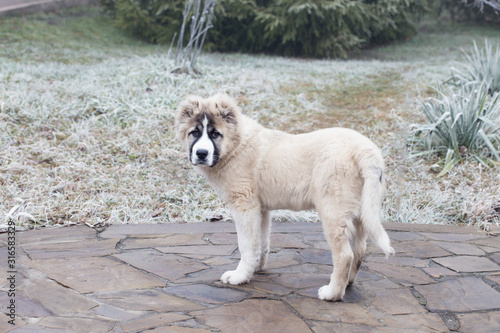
214,134
196,133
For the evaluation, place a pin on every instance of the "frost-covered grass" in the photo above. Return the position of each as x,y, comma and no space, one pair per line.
86,123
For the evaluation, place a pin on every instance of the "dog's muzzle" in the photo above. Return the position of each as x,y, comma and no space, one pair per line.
200,157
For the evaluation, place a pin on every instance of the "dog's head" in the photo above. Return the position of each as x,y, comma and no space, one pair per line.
208,128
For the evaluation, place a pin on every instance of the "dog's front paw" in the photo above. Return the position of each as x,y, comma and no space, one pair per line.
235,277
328,293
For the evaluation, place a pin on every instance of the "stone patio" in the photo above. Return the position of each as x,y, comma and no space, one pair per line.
164,278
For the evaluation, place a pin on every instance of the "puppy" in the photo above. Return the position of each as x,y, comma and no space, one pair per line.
255,170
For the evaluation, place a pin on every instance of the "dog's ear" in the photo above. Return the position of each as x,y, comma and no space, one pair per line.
186,108
185,111
227,108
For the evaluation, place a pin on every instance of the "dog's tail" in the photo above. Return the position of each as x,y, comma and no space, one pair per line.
372,168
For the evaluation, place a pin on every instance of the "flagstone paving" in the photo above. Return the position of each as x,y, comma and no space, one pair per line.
164,278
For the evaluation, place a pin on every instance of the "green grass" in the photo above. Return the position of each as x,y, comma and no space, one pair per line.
72,36
436,41
86,121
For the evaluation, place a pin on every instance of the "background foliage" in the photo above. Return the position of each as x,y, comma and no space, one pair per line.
312,28
155,21
469,10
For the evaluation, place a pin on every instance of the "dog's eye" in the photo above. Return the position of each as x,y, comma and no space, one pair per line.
195,133
214,134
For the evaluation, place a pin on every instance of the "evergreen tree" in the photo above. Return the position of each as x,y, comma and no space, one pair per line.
311,28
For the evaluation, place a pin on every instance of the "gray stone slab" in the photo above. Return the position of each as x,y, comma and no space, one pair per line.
495,278
461,248
303,268
174,240
286,289
425,322
252,315
492,241
207,294
321,245
223,238
316,256
480,322
266,287
488,249
316,309
404,236
178,329
437,271
168,266
77,324
31,328
401,302
419,249
400,261
283,258
152,321
74,249
218,260
495,258
146,300
207,250
460,295
404,275
5,326
24,305
450,237
113,313
148,236
468,264
122,230
88,275
326,327
56,298
370,281
314,237
52,235
287,241
434,228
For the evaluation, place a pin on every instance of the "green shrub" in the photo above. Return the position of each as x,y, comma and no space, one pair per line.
480,65
312,28
461,125
155,21
468,10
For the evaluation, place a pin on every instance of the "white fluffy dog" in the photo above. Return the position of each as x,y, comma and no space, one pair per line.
337,171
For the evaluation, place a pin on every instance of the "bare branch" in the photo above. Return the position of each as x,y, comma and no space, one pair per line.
201,19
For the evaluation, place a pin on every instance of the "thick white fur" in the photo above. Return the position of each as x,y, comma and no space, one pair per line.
337,171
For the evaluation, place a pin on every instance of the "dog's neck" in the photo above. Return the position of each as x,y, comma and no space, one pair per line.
249,129
236,151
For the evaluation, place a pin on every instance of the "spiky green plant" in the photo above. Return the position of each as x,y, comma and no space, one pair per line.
480,65
463,124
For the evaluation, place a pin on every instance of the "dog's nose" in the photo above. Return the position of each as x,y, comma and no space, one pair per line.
202,154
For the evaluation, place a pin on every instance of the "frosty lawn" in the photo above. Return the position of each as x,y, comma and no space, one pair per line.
86,122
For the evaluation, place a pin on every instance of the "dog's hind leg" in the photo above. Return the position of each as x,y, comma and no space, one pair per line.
358,245
248,227
337,233
265,237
